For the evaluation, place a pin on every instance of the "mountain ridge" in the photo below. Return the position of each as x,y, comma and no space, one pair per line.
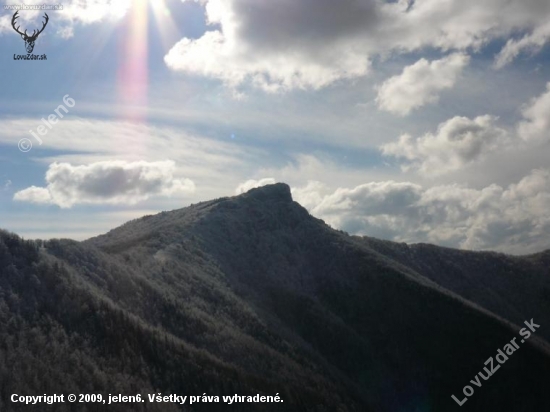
255,288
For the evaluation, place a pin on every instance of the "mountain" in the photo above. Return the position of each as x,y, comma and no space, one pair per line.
251,295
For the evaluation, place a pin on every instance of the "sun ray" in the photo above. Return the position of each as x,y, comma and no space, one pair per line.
165,25
133,69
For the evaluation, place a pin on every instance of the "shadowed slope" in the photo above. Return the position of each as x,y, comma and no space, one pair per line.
251,294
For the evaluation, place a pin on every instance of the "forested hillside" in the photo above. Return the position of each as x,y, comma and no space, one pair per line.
251,294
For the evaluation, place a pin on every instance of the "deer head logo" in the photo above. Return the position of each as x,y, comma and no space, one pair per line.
29,40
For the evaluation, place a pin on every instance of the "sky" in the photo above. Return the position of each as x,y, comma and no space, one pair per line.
413,121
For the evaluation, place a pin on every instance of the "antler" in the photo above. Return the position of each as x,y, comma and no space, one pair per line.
43,26
34,33
15,17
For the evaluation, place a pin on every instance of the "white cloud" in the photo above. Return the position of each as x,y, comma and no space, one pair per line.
311,195
512,219
314,43
110,182
92,11
537,118
214,55
212,164
458,142
34,194
329,169
251,184
65,32
420,84
5,23
531,42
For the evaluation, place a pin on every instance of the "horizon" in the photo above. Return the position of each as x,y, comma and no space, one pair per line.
263,187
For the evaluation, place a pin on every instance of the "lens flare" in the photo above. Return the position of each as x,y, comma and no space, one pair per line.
133,70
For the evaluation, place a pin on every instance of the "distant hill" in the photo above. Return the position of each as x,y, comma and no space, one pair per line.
251,294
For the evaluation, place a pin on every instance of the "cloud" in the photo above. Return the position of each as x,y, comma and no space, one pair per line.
311,195
314,43
279,45
458,142
5,23
110,182
65,32
420,84
213,164
34,194
251,184
93,11
512,219
537,118
533,42
217,56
